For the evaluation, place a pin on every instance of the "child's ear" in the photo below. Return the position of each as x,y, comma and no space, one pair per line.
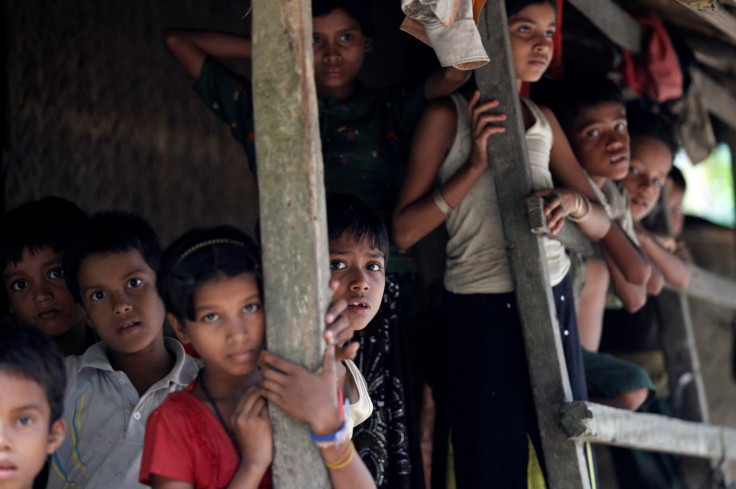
56,435
368,46
181,333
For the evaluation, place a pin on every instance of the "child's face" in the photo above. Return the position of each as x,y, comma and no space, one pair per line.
38,295
531,30
228,329
360,270
27,435
119,295
339,49
600,140
675,195
651,161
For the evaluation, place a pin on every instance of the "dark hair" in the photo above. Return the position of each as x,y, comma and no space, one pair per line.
200,255
50,222
359,10
678,179
645,124
30,353
349,213
515,6
111,232
571,95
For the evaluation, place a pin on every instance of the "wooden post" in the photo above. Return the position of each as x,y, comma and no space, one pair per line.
292,210
566,468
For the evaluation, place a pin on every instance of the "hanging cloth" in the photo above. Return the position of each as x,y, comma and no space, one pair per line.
450,27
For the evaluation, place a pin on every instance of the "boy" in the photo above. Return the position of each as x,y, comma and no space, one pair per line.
358,243
592,114
34,238
32,381
114,386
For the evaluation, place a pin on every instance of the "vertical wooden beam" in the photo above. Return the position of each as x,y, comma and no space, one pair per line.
566,468
292,205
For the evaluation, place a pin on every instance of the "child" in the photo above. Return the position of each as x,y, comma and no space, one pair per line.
118,382
482,325
32,381
592,114
210,280
33,240
364,131
636,337
358,243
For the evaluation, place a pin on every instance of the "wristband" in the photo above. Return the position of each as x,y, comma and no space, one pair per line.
586,214
342,434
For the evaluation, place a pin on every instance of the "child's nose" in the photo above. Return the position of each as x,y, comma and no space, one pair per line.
121,304
4,438
42,292
359,282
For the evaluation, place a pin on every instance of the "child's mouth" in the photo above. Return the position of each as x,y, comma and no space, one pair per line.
129,327
7,470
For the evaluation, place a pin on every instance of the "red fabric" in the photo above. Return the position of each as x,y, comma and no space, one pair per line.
661,77
186,442
657,71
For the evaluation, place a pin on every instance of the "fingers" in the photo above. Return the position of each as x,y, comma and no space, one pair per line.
277,364
335,310
246,403
328,362
348,352
339,332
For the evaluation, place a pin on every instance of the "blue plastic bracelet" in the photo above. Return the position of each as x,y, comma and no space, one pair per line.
336,438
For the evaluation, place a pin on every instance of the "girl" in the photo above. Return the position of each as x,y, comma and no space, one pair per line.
217,433
449,180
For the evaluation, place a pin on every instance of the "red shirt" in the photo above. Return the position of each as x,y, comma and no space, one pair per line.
185,441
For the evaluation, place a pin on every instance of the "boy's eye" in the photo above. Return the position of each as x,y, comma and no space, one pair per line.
658,183
593,133
337,265
253,307
550,33
634,171
134,282
97,295
524,29
620,127
210,318
25,421
56,273
347,37
19,285
316,39
374,267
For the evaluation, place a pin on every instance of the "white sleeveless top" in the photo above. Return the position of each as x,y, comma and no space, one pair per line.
476,251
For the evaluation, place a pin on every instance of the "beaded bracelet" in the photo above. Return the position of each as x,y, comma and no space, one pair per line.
440,202
588,209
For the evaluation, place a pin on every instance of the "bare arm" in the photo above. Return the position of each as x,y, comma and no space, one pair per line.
444,81
190,48
673,268
633,296
566,170
416,213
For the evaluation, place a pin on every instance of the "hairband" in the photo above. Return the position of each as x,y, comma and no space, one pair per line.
207,243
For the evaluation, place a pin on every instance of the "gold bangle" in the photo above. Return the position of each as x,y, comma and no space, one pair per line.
341,461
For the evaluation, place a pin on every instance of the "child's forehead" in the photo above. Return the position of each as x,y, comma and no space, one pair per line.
32,256
601,112
352,238
103,262
336,20
21,390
